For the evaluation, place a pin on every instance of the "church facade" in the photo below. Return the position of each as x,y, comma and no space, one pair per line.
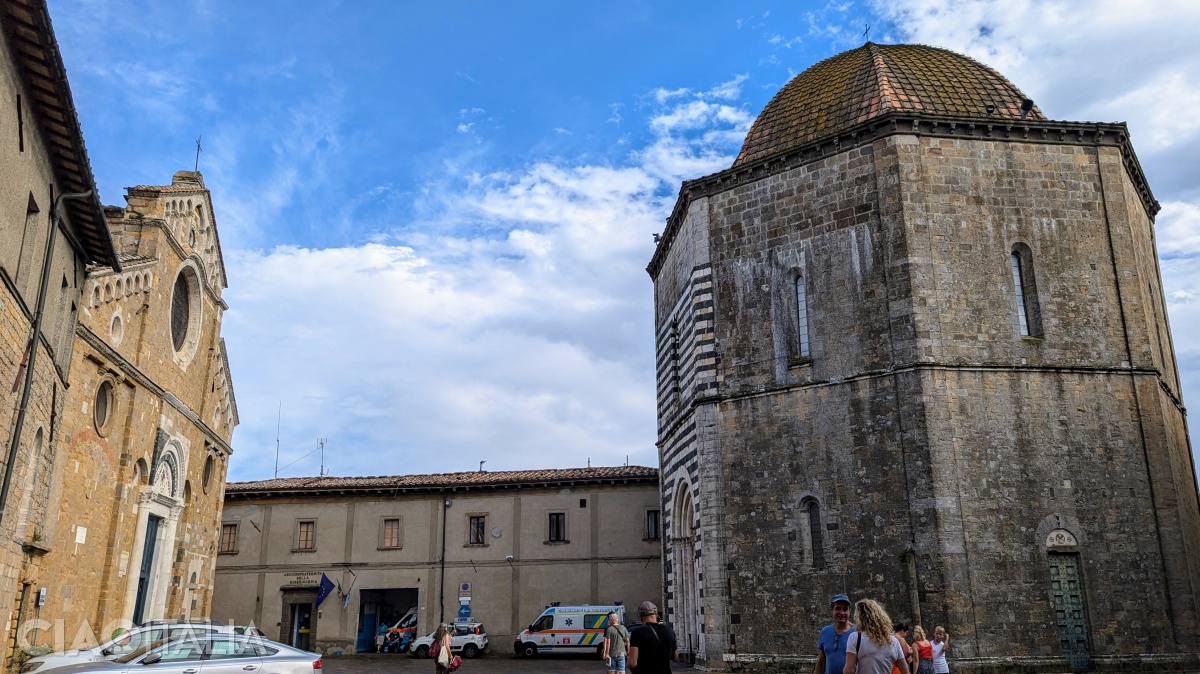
146,429
912,346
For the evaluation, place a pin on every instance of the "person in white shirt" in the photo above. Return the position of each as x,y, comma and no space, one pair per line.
941,644
873,649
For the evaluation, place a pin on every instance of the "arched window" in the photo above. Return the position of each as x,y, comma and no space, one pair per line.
816,541
801,318
1029,314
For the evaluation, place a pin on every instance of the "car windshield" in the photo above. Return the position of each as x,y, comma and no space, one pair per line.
136,653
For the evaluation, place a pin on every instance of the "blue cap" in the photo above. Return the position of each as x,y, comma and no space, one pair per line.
839,597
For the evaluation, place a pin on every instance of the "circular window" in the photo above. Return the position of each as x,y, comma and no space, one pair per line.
117,330
192,239
208,472
104,403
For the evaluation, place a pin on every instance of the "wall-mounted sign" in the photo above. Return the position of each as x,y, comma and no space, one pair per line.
301,578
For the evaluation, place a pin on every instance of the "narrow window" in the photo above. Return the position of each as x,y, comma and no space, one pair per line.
652,525
477,530
389,536
801,318
1029,314
306,535
228,538
675,357
814,529
558,527
20,125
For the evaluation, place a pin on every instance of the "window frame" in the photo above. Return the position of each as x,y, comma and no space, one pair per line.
382,542
1025,292
483,531
656,514
233,549
801,312
562,530
296,540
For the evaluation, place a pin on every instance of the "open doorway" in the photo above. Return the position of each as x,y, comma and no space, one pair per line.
380,610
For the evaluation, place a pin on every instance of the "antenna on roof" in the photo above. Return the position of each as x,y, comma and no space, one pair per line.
867,33
277,419
321,443
198,153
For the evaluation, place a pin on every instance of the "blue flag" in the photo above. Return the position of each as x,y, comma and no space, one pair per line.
324,589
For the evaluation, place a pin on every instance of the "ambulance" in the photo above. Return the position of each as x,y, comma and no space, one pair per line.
567,629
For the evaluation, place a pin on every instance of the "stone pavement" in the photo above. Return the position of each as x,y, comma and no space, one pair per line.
493,663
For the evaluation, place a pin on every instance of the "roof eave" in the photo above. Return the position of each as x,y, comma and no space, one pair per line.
34,50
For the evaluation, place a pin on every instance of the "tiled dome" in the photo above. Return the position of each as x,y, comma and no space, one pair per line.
874,80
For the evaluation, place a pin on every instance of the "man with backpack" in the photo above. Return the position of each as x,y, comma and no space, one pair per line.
652,646
616,637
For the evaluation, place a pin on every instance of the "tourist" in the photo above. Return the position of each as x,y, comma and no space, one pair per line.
441,639
831,646
901,633
873,649
615,639
651,646
941,644
922,651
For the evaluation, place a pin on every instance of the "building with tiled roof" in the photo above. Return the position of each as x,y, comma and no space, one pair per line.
912,345
507,543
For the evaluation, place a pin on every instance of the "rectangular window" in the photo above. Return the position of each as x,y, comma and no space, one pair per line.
477,530
306,535
228,543
558,527
389,533
652,525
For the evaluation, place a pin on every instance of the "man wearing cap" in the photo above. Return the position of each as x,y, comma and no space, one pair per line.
652,646
831,647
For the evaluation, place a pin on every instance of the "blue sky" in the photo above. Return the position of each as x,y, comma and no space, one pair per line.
436,219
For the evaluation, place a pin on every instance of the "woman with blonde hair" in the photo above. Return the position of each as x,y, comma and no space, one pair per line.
873,649
922,651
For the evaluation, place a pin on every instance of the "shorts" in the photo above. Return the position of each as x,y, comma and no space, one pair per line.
616,663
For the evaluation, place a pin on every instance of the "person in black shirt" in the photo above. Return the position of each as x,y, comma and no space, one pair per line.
652,646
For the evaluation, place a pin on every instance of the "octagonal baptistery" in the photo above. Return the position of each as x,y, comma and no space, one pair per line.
912,346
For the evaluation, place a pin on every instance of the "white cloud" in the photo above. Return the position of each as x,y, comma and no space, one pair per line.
507,321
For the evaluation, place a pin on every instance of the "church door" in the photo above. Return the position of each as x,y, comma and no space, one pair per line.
1068,607
147,570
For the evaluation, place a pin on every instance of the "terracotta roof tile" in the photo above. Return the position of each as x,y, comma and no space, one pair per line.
473,479
861,84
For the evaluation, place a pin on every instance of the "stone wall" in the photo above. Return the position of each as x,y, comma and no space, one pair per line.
924,451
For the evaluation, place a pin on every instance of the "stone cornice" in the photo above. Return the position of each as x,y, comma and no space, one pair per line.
130,371
1030,131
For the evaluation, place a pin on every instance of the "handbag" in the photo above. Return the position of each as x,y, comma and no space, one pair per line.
455,663
443,657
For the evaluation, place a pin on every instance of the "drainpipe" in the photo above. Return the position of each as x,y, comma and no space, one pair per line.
15,441
442,601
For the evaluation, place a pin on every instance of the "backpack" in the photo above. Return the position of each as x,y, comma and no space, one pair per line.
435,649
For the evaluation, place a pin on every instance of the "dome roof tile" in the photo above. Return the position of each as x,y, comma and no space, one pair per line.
856,86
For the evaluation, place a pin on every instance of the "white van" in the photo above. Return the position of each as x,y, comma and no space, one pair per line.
567,629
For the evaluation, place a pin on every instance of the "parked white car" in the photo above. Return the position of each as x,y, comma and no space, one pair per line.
466,639
219,653
128,642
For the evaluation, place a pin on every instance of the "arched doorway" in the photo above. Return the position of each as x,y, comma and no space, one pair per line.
686,620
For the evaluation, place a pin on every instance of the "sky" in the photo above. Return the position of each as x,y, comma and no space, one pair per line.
436,217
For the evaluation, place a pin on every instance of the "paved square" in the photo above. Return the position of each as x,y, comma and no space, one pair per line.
495,663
